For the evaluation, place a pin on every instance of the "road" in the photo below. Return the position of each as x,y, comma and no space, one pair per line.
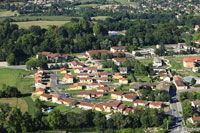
15,67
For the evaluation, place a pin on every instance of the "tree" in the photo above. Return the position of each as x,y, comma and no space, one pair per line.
55,119
193,82
31,64
118,120
4,112
11,60
100,121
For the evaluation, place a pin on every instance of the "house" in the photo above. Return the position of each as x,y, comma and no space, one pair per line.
78,70
38,83
197,42
63,70
102,79
195,69
145,51
115,105
69,102
191,62
196,28
127,111
38,91
107,107
68,78
194,120
94,86
129,97
85,95
140,102
117,76
123,70
86,80
52,56
96,94
117,95
179,83
82,75
98,107
163,86
157,62
91,53
104,89
92,69
123,80
195,103
118,61
155,105
120,49
121,108
76,86
164,77
101,74
55,98
76,64
45,97
60,101
85,105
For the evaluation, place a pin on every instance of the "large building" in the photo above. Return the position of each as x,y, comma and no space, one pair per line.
191,62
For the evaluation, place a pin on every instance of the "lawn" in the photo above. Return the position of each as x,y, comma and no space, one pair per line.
14,78
16,102
64,109
31,105
42,24
8,13
146,61
176,63
143,78
100,17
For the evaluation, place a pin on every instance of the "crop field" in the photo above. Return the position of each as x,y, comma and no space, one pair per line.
18,102
42,24
8,13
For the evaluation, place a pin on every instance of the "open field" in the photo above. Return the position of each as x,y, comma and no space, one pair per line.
146,61
31,105
36,18
42,24
8,13
177,63
14,78
100,17
18,102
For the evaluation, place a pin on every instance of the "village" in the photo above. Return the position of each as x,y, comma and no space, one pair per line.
88,86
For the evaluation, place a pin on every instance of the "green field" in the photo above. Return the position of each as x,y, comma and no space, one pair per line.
14,78
42,24
146,61
8,13
176,63
31,105
16,102
64,109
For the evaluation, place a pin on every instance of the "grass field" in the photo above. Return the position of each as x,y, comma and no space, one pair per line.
42,24
14,78
64,109
146,61
18,102
8,13
100,17
31,105
176,63
87,5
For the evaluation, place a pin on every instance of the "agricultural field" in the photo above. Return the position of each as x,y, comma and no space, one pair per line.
16,102
15,78
42,24
176,63
8,13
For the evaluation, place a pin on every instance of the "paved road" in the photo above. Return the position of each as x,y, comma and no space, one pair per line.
15,67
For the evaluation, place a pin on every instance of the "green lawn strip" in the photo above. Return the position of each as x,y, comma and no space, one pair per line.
176,63
64,109
31,105
143,78
128,103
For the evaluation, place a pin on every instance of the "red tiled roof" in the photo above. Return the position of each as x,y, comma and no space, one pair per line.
86,104
86,78
39,89
76,63
97,84
137,108
95,52
100,106
118,93
83,93
115,104
46,95
196,118
67,76
121,59
118,47
56,96
196,102
63,69
162,75
92,68
101,73
107,104
140,101
178,78
191,59
75,85
102,78
128,110
156,103
130,96
68,100
82,74
122,106
103,88
124,79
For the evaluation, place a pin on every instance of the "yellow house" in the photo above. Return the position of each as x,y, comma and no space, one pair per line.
63,70
86,80
117,95
117,76
45,97
76,86
38,92
123,81
78,70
